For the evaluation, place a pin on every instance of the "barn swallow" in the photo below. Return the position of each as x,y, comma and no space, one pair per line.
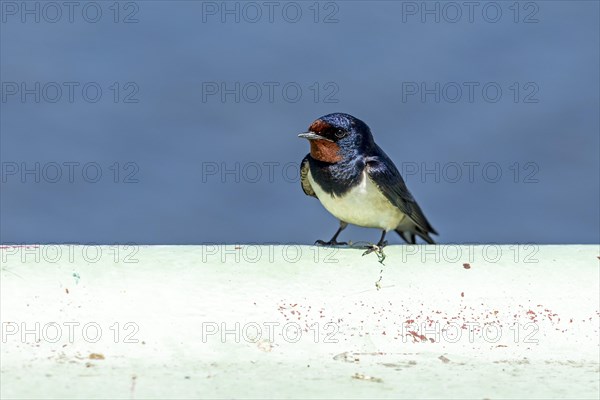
357,182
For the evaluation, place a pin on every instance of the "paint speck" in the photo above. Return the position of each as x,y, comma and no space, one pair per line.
363,377
467,266
416,336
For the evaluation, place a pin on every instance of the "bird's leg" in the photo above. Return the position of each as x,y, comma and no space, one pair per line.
333,241
380,245
382,242
378,248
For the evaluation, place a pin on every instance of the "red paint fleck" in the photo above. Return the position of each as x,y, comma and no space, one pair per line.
466,266
416,336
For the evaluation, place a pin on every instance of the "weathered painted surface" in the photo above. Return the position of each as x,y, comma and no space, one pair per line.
296,321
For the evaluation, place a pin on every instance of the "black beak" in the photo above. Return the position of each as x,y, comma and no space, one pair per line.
313,136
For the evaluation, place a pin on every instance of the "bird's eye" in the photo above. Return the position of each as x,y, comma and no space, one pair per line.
340,134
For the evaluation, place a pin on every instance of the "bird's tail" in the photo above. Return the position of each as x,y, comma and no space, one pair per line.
410,238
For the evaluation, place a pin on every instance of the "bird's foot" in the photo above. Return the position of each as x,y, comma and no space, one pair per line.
330,243
377,249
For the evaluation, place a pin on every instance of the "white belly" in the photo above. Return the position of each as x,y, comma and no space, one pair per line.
364,205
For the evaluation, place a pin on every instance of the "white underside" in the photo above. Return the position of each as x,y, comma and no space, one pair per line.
364,205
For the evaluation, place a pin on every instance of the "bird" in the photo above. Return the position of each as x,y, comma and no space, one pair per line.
357,182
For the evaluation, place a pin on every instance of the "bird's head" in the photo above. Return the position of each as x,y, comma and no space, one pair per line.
337,136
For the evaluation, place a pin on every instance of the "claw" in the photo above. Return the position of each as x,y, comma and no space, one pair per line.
378,249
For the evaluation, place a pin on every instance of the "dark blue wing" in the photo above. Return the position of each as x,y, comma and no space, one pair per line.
385,175
306,186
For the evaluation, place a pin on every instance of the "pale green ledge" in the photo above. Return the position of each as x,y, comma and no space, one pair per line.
286,321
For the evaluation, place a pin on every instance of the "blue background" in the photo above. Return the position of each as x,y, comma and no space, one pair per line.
368,53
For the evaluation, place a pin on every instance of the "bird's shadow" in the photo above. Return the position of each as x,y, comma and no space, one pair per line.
367,246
